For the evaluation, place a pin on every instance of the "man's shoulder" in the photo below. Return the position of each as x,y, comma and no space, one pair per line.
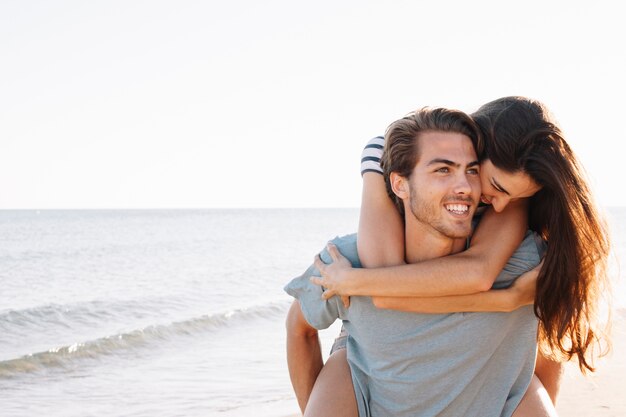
348,240
320,313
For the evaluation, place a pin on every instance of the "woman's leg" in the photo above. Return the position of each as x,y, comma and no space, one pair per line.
550,374
536,402
333,394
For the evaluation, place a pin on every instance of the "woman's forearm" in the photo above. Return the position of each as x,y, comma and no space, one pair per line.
520,293
492,301
460,274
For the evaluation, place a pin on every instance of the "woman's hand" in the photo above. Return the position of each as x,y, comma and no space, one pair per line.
334,276
525,286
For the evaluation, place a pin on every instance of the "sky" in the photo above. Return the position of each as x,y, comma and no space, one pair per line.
249,104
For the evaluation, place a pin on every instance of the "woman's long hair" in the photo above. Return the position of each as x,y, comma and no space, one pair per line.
521,136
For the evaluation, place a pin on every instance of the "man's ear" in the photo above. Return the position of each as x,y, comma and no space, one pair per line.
399,185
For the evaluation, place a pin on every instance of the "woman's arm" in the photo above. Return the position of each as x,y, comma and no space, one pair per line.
380,237
380,241
467,272
521,293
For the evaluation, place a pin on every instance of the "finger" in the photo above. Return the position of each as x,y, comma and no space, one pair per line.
333,251
317,281
328,294
346,301
319,264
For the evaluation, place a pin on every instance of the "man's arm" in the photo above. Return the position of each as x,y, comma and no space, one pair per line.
304,355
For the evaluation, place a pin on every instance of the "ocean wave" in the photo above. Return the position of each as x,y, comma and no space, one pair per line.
88,313
63,356
50,313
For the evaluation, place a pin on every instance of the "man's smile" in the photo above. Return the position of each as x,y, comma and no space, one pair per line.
458,208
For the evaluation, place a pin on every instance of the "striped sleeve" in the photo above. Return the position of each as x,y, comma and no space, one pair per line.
370,158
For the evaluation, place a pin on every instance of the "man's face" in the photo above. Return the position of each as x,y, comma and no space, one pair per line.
444,187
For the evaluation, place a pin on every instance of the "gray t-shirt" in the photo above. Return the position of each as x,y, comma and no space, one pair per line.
408,364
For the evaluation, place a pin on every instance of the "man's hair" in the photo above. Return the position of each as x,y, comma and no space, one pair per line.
401,152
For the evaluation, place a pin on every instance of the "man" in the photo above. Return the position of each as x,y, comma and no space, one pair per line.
405,364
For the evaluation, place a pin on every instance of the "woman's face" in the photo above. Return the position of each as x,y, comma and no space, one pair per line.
500,187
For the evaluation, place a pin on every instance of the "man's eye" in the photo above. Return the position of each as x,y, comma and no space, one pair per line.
473,171
444,170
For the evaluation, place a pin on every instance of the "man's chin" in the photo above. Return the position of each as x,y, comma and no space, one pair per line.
458,233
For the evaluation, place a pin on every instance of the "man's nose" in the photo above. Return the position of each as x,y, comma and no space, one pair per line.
462,185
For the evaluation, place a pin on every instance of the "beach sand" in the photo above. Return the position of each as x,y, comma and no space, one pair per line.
601,394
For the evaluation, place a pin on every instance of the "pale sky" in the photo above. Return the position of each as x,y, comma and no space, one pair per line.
190,104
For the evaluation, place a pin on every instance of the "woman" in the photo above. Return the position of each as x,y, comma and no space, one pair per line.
531,178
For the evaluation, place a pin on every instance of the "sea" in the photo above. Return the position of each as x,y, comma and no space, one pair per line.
161,312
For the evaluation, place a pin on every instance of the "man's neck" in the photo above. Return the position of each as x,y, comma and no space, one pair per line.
422,242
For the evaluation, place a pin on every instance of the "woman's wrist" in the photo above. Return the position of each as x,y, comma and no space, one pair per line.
517,298
507,299
349,283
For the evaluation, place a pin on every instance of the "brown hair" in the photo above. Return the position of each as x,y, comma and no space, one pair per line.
522,136
401,152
